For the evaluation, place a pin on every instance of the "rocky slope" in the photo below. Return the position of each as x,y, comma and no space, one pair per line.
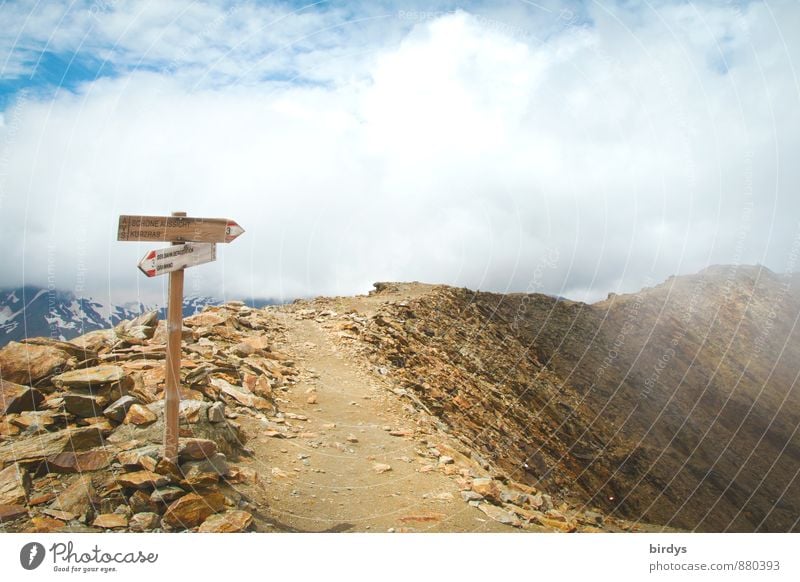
420,408
32,311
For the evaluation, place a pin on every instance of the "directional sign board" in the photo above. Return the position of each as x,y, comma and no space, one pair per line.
177,229
177,257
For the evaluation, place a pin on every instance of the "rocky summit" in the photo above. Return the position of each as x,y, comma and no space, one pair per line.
420,408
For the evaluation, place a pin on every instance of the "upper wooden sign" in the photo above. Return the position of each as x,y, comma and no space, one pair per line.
177,229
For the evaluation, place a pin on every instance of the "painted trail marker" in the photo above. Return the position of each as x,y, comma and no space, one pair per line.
177,257
194,243
177,229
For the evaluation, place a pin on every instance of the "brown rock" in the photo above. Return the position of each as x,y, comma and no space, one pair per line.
80,462
241,394
228,522
95,340
381,467
119,408
40,499
83,405
140,502
27,363
7,426
134,458
58,514
191,411
16,397
205,319
11,512
487,487
140,415
110,521
42,446
144,521
169,469
142,480
90,378
78,498
243,350
45,419
166,494
500,515
15,484
44,524
257,342
196,449
191,510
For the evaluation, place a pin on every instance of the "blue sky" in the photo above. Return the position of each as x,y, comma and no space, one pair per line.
572,148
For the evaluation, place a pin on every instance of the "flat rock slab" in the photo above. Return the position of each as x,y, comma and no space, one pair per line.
228,522
110,521
142,480
41,446
89,378
80,462
11,512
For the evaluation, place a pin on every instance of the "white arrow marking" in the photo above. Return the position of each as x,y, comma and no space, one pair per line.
177,257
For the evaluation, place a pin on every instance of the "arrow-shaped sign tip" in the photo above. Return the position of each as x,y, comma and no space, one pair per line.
232,230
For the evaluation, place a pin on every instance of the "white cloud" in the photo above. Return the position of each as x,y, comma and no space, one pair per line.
461,152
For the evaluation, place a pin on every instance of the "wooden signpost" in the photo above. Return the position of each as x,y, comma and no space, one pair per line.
194,241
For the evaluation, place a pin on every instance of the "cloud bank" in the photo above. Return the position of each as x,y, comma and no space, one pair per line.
505,148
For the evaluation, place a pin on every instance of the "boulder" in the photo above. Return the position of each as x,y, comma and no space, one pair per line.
217,464
11,512
140,502
192,449
42,446
144,521
192,509
110,521
83,405
28,363
90,378
78,499
17,398
216,412
166,494
74,350
117,410
142,480
96,340
487,488
228,522
140,415
15,485
80,462
241,394
500,515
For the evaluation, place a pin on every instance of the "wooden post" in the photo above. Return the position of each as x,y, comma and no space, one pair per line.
173,365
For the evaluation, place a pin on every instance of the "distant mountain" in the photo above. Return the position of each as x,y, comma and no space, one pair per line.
37,312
